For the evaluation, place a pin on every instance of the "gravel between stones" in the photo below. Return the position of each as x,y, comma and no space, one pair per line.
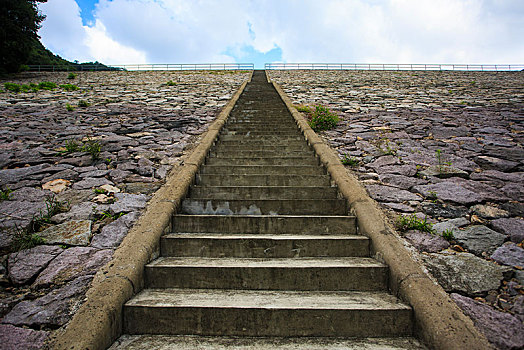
81,178
445,146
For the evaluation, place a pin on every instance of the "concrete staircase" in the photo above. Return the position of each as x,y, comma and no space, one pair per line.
264,253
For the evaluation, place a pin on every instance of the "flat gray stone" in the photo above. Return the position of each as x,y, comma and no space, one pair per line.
25,265
426,242
461,191
127,202
514,191
444,172
479,238
391,194
74,232
16,338
53,309
512,227
488,211
452,225
488,162
465,273
73,262
112,234
503,330
401,181
81,211
91,182
509,254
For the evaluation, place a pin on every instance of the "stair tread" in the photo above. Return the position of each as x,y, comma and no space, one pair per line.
266,299
261,236
171,342
346,262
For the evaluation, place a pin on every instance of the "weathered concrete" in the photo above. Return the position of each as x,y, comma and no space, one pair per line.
435,313
98,322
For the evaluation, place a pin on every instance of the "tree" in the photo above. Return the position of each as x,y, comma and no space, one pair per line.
19,24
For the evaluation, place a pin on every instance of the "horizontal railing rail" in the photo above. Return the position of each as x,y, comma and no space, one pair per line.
396,66
141,67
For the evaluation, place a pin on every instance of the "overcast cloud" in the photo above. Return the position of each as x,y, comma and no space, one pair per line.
372,31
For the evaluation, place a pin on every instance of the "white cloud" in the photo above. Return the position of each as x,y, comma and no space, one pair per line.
178,31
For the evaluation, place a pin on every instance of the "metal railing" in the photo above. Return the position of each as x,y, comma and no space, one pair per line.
141,67
396,66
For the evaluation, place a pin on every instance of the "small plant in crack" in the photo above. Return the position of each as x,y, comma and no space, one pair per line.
53,206
411,222
5,195
349,160
448,235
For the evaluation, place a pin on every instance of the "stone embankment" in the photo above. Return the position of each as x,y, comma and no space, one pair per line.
445,147
76,175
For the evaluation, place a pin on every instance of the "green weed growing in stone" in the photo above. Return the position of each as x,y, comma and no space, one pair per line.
171,83
47,85
349,160
448,235
5,195
322,119
12,87
92,147
69,87
303,109
83,103
71,76
411,222
24,239
53,206
440,162
99,191
69,108
109,215
72,146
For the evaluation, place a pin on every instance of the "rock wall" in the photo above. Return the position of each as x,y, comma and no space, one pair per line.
444,148
76,175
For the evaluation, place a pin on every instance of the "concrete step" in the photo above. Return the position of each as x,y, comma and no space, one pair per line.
262,180
262,138
343,273
262,169
265,224
275,152
230,147
262,131
300,161
263,192
266,313
211,206
209,245
171,342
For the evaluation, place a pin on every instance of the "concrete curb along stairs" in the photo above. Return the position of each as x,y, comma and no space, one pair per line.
98,322
258,257
438,321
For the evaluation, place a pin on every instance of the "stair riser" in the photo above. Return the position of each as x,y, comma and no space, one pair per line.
264,207
263,248
260,154
280,150
256,144
263,161
238,192
269,170
270,225
267,322
262,180
264,278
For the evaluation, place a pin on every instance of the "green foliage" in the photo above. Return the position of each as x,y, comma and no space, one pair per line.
52,207
348,160
83,103
73,146
47,85
69,87
5,195
405,223
171,83
71,76
69,107
303,109
441,163
25,240
109,215
20,21
12,87
94,148
322,119
448,235
99,191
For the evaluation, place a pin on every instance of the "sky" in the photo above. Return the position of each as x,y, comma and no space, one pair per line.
291,31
